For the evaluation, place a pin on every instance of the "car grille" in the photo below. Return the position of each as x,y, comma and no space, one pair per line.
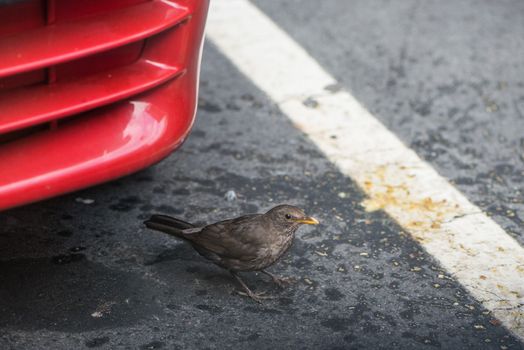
62,57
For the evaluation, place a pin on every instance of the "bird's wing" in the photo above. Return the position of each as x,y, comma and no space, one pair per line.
236,238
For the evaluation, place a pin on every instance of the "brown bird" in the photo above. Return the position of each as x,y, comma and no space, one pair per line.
248,243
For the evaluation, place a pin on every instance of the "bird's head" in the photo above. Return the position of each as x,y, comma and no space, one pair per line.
289,216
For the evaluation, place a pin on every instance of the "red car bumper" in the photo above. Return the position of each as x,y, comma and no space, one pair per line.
91,91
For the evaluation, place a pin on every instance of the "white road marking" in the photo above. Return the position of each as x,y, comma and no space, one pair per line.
471,246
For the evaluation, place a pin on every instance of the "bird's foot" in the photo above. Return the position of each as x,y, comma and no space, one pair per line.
283,282
256,296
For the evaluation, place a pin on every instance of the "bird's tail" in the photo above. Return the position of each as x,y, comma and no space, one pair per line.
168,224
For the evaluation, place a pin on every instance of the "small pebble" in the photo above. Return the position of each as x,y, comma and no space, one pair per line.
494,322
310,102
230,196
85,200
333,88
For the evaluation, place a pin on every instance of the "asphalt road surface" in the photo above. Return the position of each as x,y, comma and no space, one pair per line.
81,271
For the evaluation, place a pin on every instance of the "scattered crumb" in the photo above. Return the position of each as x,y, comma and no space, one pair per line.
230,196
308,281
103,309
495,322
84,200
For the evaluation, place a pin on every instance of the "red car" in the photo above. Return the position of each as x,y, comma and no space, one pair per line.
93,90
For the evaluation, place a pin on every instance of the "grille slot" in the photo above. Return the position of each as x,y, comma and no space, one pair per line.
41,103
69,40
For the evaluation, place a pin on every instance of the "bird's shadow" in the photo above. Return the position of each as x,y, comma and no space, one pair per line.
182,252
182,264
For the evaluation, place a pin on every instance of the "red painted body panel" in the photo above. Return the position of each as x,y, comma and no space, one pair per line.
134,110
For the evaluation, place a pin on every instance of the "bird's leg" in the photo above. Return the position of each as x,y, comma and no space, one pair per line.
280,281
258,297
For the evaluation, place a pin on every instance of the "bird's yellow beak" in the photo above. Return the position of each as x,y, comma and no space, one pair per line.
308,220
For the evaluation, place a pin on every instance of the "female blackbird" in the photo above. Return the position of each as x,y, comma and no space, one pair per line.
248,243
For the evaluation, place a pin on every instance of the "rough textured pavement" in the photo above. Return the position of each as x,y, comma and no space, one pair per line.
78,275
445,76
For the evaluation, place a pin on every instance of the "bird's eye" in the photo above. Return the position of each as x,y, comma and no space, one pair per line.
288,216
